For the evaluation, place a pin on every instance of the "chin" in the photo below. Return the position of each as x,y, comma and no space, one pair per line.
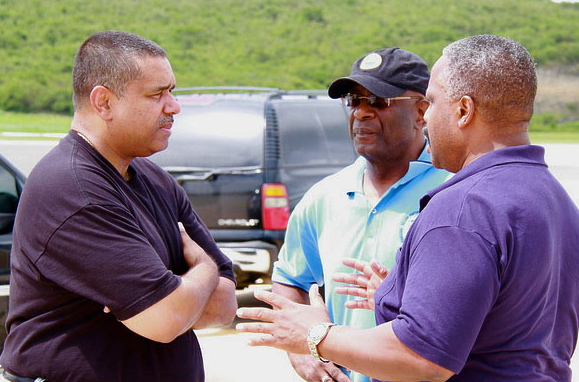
153,150
435,162
161,144
363,148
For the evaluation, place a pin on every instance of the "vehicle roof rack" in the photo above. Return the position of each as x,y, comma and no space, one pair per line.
229,89
250,91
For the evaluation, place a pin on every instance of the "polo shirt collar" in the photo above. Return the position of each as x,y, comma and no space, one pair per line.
415,168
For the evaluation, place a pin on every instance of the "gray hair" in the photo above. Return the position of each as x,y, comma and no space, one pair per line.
109,58
496,72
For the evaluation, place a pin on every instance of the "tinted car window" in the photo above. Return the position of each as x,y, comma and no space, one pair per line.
8,200
312,133
11,182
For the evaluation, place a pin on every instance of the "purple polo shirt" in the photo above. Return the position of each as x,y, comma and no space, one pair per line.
486,283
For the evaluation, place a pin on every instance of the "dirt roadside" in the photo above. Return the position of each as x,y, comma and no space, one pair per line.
558,92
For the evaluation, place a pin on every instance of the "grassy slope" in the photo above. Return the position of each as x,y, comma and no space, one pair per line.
282,43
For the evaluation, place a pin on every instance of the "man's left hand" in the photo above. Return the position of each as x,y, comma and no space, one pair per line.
364,282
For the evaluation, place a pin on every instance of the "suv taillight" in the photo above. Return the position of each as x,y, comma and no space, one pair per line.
275,209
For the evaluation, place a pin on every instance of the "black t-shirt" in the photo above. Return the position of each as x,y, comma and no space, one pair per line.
84,238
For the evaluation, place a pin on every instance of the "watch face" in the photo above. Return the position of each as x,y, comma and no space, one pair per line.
318,330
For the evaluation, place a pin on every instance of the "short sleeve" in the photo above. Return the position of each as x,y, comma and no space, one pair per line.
299,262
102,255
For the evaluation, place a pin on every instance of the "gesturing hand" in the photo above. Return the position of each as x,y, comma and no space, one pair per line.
312,370
365,283
286,326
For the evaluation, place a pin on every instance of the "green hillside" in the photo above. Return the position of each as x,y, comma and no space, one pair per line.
276,43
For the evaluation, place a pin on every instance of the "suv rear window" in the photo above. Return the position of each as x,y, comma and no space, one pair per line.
312,133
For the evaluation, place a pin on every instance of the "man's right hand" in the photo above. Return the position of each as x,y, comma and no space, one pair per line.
313,370
306,366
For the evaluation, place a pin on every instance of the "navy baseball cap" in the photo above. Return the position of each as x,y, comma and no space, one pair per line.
385,73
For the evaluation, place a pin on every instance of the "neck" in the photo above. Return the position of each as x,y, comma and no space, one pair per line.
380,175
123,170
377,182
489,143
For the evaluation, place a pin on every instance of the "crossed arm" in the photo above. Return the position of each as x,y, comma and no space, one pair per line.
202,299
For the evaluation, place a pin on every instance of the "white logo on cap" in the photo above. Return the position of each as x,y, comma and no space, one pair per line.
371,61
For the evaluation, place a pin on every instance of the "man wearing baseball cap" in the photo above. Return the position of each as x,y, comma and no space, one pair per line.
358,217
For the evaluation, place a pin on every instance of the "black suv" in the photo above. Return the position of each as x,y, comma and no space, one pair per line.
245,157
11,182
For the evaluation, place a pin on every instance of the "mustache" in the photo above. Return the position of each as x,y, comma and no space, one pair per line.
165,120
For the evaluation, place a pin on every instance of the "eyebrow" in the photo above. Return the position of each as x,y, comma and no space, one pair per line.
162,88
170,87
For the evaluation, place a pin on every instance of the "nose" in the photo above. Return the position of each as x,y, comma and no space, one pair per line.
363,111
172,106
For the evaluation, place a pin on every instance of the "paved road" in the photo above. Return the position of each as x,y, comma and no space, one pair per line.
227,356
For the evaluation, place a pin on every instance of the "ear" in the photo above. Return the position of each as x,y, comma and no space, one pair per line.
421,107
100,100
465,111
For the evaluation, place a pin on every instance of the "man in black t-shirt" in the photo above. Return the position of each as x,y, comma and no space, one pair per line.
106,285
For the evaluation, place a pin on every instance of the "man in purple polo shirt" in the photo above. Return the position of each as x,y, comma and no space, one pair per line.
486,284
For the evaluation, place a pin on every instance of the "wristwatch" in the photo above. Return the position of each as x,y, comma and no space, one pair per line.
316,334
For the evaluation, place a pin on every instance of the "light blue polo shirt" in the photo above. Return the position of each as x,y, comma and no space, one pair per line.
334,220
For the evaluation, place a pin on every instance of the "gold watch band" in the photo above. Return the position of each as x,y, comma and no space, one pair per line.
316,334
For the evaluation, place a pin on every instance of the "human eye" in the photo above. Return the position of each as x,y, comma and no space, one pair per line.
161,92
350,100
378,102
354,100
